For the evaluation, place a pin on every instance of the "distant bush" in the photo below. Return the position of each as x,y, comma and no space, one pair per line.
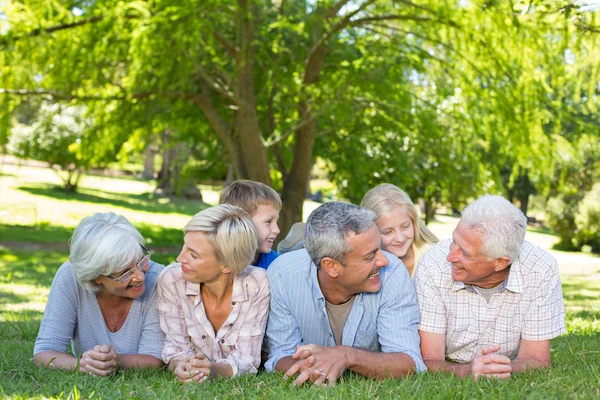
560,218
587,220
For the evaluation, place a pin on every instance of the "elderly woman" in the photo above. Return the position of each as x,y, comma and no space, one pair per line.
398,222
103,302
213,306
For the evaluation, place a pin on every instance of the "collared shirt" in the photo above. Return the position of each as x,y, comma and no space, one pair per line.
528,304
188,330
385,321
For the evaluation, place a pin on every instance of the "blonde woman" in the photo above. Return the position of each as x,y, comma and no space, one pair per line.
213,305
402,231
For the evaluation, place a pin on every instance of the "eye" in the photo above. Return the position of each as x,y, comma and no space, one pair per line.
194,256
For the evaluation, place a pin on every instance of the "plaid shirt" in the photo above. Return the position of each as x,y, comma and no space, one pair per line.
528,304
188,331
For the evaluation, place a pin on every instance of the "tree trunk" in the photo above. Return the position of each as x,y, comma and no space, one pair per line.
149,155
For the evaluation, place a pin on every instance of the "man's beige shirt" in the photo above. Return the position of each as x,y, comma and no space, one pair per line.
528,305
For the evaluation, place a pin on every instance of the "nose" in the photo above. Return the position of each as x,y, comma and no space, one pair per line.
275,229
400,236
381,260
139,274
180,257
453,255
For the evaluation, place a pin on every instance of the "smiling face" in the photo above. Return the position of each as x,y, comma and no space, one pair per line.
265,219
199,263
469,265
397,231
361,270
132,288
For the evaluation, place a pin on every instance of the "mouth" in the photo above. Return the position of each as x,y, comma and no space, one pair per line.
374,275
184,269
270,241
139,285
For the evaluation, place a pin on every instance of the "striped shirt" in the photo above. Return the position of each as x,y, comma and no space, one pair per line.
385,321
528,304
188,330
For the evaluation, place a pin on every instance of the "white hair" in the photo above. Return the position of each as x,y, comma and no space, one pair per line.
329,225
101,245
500,224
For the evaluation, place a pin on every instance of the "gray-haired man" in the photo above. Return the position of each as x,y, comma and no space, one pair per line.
341,303
490,302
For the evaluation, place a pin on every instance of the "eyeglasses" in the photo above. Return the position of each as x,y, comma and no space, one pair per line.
141,265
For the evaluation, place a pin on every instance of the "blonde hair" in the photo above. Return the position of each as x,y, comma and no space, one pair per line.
249,195
231,233
384,198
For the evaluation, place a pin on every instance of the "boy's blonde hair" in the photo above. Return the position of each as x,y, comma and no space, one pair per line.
249,195
231,233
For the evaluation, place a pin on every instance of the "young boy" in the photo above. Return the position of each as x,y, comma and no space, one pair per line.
262,203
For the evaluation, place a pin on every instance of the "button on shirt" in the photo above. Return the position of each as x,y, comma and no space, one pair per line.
528,304
385,321
188,330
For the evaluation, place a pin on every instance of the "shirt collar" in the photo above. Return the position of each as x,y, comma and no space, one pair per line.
512,282
316,289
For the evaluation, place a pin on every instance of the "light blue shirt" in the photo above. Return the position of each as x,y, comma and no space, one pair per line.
385,321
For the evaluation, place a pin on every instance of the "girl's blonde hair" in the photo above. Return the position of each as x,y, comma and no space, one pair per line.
384,198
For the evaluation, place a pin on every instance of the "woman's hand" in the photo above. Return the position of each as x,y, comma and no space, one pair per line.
99,361
193,369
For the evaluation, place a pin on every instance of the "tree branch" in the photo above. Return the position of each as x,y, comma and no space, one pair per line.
230,47
228,94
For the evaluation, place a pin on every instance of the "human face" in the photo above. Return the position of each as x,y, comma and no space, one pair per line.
130,282
397,231
468,264
199,263
265,219
361,270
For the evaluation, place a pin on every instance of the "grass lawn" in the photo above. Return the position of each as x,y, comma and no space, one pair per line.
37,220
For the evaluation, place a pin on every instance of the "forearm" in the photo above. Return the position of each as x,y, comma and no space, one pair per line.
379,365
55,359
221,369
462,370
522,364
138,361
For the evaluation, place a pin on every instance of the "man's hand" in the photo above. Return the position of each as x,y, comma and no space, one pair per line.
99,361
305,361
193,369
489,364
329,363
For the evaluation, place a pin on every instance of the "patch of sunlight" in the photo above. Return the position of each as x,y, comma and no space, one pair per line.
581,325
22,307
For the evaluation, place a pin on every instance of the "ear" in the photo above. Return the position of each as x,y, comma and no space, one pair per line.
226,270
330,267
501,263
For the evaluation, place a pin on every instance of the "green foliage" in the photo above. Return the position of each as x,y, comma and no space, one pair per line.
64,138
587,220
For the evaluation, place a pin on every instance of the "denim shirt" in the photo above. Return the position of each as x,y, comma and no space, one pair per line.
385,321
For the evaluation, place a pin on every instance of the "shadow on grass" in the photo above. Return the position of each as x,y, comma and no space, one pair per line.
138,202
35,268
155,235
580,291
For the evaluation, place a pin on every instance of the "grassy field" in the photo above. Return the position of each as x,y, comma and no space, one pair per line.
37,220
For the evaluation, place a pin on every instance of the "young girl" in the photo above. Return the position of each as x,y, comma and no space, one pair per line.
399,224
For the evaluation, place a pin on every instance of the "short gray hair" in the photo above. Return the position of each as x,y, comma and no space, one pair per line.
231,233
500,224
328,227
101,245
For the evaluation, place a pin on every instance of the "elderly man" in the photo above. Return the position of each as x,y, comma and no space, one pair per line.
490,302
341,303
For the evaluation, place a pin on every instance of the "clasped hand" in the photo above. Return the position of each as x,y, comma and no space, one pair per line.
99,361
321,365
193,369
489,364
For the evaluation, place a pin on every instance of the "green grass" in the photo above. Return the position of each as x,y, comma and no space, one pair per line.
36,245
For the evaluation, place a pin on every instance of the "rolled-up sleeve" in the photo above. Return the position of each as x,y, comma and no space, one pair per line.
398,318
176,343
283,332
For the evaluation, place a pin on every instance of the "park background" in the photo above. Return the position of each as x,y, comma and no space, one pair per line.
147,108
